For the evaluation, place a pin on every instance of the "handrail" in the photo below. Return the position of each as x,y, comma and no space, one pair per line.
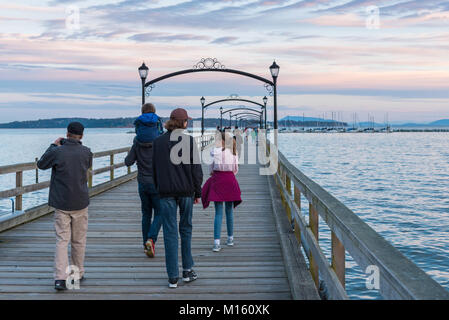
399,278
20,190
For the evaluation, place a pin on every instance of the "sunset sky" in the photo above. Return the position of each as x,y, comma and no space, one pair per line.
335,56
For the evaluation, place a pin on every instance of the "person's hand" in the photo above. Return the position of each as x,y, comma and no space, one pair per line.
58,141
196,201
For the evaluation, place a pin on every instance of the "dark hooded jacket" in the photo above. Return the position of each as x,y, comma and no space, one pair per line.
176,180
142,153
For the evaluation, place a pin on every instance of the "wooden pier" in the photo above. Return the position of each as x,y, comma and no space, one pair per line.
265,263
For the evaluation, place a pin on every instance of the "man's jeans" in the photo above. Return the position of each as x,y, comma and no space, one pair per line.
219,217
150,200
168,209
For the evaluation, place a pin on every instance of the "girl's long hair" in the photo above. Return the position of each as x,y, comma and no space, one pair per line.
228,142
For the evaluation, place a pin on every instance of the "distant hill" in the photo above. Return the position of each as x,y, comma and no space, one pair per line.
310,122
63,122
442,122
95,123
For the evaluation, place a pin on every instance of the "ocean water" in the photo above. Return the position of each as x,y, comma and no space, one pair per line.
397,183
24,145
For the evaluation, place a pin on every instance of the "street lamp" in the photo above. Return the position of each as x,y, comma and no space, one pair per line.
202,100
274,69
221,118
265,101
143,72
230,119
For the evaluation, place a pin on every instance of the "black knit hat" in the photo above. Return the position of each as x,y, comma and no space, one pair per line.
75,128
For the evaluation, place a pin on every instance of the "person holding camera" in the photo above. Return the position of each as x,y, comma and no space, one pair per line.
69,161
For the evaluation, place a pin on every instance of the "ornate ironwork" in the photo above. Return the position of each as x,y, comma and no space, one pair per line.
209,63
148,89
269,88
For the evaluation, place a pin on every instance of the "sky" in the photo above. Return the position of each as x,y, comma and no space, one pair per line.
72,58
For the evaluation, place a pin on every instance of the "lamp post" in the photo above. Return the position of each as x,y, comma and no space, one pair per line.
202,114
265,100
143,72
274,69
221,118
230,119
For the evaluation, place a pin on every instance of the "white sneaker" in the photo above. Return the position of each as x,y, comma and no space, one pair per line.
172,283
230,242
216,248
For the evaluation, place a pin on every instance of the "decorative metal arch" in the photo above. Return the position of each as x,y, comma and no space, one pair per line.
209,65
247,113
240,115
233,99
243,108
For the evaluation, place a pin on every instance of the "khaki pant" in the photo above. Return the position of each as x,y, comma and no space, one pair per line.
70,226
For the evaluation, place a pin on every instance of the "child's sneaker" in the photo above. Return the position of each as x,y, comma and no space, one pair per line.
230,241
149,248
189,276
173,283
216,247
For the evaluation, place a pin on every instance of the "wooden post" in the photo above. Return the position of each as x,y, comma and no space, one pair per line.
111,162
338,259
37,171
19,183
313,224
90,176
288,184
297,195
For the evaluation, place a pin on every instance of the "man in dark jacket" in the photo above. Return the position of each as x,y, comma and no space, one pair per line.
142,153
69,195
178,177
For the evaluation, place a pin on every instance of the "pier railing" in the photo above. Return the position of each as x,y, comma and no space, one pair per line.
35,212
397,276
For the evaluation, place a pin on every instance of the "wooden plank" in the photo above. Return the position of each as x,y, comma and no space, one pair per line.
301,283
20,190
13,168
338,258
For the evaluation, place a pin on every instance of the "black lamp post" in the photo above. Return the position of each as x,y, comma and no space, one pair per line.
221,118
202,114
265,100
143,72
274,69
230,119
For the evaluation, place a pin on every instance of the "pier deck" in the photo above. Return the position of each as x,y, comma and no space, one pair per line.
117,268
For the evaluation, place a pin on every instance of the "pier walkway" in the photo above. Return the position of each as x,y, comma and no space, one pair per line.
117,268
277,253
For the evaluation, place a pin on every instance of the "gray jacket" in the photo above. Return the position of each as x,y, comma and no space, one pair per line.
142,153
69,164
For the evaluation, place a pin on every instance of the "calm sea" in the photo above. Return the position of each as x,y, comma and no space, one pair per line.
398,183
